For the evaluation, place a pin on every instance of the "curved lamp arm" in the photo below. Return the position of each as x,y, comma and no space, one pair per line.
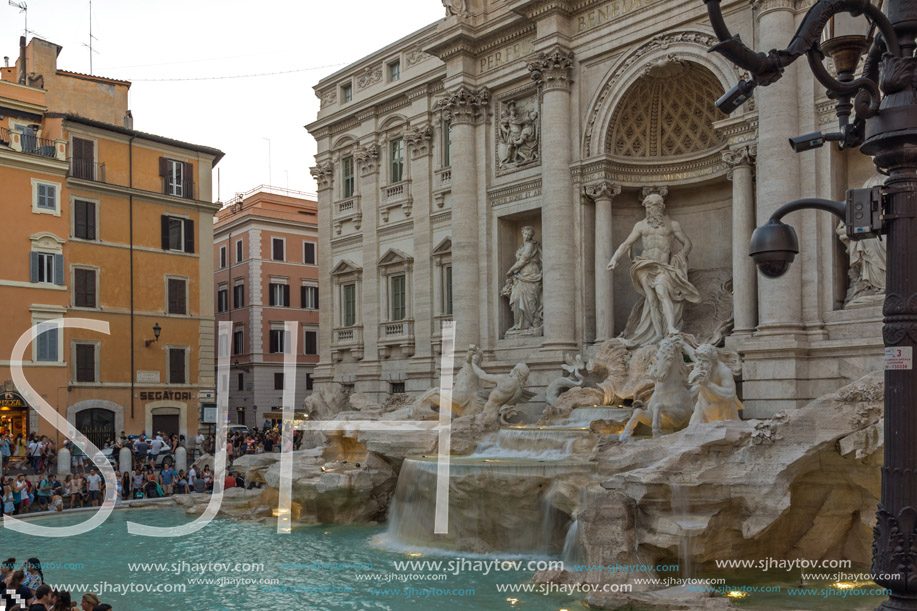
811,203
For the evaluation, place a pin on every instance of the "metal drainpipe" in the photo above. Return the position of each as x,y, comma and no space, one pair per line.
130,183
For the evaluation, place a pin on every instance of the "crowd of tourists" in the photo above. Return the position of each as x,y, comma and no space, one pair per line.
24,589
151,473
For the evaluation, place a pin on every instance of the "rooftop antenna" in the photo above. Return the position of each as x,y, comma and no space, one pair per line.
23,8
91,37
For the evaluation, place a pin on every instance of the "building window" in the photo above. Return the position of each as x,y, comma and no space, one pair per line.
46,349
238,296
84,220
176,177
447,143
45,197
222,299
240,381
222,257
308,253
277,248
47,268
278,381
278,341
84,288
237,338
177,234
238,251
399,310
394,70
346,93
82,165
447,290
279,294
349,305
397,388
310,342
396,159
86,363
309,381
347,180
178,296
177,373
308,297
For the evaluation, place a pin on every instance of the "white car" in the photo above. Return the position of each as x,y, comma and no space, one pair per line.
236,428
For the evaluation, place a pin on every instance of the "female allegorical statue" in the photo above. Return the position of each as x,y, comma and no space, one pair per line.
523,287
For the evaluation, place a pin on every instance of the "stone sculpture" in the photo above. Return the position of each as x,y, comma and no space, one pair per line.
455,7
867,263
523,287
466,390
508,391
713,384
573,367
669,407
518,136
659,275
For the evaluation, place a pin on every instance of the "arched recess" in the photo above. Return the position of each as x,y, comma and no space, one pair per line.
677,47
81,406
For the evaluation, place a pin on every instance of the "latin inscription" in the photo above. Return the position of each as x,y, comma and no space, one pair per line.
608,12
507,54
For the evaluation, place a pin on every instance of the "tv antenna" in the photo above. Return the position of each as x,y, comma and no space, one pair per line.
91,37
23,8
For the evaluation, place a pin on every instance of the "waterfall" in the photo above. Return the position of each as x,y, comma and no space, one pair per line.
544,443
688,527
573,552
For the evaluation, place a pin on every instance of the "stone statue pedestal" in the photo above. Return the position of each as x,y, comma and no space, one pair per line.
530,332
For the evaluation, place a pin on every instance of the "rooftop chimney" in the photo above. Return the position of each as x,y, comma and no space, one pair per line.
6,61
22,71
129,120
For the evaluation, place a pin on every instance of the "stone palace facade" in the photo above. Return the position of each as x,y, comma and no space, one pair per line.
485,169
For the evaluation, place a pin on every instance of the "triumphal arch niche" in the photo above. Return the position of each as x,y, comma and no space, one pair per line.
655,132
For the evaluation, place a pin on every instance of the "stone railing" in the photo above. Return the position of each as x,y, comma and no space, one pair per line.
347,210
348,336
345,207
395,195
396,333
444,178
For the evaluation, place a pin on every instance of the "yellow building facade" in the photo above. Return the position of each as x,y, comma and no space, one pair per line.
107,223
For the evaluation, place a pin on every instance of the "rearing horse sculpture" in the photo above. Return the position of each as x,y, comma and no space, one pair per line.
670,406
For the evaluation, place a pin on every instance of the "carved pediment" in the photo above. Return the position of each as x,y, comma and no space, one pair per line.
46,241
346,266
443,248
393,256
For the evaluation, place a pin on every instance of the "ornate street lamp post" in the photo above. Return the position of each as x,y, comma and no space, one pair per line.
877,112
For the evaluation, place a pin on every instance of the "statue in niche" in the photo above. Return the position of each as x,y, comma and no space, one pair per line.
518,136
508,391
659,275
713,384
867,263
523,287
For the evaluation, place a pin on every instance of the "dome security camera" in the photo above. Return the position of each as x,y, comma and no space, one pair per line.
773,247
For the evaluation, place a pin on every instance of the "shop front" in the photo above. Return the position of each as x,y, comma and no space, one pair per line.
14,415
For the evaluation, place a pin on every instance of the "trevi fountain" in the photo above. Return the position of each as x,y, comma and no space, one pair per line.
636,454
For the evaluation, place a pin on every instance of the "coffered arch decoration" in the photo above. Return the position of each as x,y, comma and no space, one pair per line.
676,55
667,112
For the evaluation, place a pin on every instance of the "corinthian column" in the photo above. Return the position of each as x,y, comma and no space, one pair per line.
324,178
551,69
603,194
464,107
744,277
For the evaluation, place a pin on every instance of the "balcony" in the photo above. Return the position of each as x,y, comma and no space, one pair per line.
348,210
28,142
395,195
444,178
85,169
347,338
183,188
396,333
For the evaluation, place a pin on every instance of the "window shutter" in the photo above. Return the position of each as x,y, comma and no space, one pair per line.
85,363
90,289
315,292
59,269
270,289
51,345
90,220
177,366
163,166
79,288
302,297
33,267
286,295
189,235
188,181
273,342
79,219
181,298
165,230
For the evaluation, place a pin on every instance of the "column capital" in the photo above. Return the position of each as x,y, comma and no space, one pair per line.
367,157
323,173
742,157
604,190
420,140
464,105
552,68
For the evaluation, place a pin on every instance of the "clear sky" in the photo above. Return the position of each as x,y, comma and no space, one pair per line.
191,39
